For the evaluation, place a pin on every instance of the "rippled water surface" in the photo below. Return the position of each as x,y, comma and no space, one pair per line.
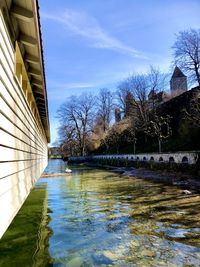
98,218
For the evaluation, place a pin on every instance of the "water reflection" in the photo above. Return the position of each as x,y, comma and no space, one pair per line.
97,218
25,243
101,219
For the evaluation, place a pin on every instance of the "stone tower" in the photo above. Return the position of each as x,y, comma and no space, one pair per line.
117,115
178,81
130,108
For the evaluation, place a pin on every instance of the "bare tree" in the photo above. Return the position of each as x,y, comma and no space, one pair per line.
132,97
68,141
123,89
76,119
160,128
157,82
105,107
187,53
192,115
120,133
139,89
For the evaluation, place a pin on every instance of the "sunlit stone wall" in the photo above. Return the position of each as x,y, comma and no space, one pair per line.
179,157
23,145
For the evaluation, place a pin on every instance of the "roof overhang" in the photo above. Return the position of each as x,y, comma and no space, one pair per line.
24,25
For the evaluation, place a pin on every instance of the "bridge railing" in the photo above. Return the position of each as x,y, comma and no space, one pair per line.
176,157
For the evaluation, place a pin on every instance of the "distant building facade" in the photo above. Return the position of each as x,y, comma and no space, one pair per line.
178,82
178,85
155,99
130,107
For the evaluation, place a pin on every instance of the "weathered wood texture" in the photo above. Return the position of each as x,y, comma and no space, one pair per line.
23,144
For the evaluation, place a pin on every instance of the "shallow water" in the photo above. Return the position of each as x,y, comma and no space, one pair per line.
98,218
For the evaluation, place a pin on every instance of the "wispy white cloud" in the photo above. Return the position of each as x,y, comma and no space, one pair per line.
89,28
60,91
69,85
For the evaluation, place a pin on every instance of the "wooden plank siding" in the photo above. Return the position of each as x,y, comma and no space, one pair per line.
23,143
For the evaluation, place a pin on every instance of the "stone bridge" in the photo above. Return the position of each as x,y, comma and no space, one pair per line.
176,157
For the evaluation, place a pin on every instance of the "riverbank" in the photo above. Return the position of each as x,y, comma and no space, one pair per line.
183,180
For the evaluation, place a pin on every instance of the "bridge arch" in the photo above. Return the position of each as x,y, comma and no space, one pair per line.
171,159
185,160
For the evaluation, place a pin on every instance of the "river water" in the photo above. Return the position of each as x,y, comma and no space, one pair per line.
99,218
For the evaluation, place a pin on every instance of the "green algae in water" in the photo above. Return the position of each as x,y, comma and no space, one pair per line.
25,243
101,219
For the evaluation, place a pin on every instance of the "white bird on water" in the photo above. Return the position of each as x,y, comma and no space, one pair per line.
68,170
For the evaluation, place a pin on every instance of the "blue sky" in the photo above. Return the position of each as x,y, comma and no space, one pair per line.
91,44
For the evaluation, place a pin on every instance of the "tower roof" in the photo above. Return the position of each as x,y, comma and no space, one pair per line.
177,73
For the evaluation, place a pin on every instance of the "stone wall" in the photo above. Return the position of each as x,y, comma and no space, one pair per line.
190,158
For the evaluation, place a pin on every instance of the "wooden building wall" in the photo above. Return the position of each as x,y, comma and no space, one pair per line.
23,144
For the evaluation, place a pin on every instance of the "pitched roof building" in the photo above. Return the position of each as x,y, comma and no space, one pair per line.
24,119
178,81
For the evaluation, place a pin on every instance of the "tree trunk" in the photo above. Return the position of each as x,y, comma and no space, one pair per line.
197,74
159,144
83,151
